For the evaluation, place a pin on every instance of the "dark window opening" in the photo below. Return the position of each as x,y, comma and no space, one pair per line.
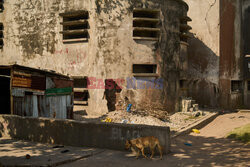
142,33
183,83
1,5
248,85
79,35
146,13
144,68
81,94
5,72
80,82
236,86
5,94
1,35
75,27
145,24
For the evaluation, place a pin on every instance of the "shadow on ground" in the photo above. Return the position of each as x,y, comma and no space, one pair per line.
205,151
13,153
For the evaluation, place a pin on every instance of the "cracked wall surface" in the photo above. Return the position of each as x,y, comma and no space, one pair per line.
32,38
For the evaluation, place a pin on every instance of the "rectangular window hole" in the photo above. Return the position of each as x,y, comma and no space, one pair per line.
80,82
145,24
146,13
236,86
75,27
150,34
1,5
81,96
75,36
144,68
183,83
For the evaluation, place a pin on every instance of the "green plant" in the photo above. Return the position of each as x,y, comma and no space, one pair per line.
241,133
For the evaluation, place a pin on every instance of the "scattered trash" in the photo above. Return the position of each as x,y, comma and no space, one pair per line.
188,144
196,131
107,120
129,107
124,121
27,156
58,146
64,151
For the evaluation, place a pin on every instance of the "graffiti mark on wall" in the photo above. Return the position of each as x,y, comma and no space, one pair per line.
75,56
117,134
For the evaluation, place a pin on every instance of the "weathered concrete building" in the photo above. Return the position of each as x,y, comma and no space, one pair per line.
108,43
218,53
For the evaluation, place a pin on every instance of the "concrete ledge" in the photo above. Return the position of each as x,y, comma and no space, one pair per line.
198,125
79,133
244,111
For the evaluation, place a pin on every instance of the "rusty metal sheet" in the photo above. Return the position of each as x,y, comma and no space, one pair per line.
21,82
38,82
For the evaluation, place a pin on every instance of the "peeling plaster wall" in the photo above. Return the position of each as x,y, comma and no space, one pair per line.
203,51
215,53
231,57
245,45
32,38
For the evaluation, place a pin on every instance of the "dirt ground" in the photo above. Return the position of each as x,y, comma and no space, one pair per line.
209,148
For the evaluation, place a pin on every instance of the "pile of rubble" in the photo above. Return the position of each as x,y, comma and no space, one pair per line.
175,121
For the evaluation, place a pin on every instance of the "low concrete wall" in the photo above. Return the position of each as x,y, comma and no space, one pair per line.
75,133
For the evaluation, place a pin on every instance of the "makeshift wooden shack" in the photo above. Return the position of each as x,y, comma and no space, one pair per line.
33,92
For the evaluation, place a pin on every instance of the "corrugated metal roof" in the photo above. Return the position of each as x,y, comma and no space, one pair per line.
41,71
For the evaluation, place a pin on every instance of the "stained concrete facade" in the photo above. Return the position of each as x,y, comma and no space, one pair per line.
218,67
31,37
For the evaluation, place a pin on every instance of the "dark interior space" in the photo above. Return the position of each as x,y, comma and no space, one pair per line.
146,13
82,95
5,95
144,68
236,86
80,82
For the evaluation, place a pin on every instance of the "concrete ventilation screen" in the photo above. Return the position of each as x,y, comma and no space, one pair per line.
81,93
75,27
236,86
1,5
1,35
144,68
145,24
184,29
